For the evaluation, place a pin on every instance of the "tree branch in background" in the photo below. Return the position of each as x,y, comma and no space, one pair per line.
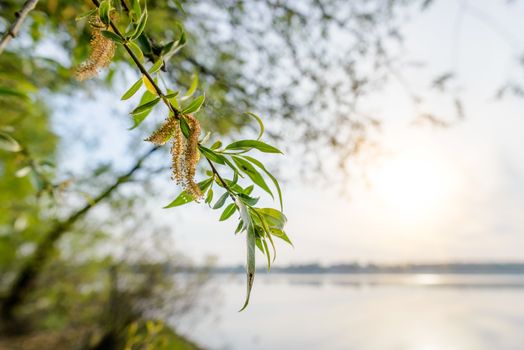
33,266
20,16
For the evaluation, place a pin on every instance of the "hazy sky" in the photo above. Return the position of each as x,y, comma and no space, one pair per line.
436,194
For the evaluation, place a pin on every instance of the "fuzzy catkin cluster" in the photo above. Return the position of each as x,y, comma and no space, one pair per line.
102,52
184,153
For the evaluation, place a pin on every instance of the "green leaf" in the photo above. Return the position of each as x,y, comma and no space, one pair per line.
7,143
273,217
265,227
184,127
268,255
172,94
275,181
185,197
250,243
156,67
249,144
103,11
112,36
137,51
216,145
230,210
179,6
280,234
139,118
253,174
195,105
140,26
146,106
86,14
220,202
192,89
211,155
132,90
248,190
209,196
136,9
11,92
260,124
247,199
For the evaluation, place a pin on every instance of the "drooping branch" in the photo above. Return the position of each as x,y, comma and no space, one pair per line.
33,266
13,29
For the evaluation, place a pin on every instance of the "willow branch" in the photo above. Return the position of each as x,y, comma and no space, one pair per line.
176,112
20,16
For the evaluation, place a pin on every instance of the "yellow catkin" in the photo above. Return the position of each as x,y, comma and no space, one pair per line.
177,155
161,135
191,157
102,52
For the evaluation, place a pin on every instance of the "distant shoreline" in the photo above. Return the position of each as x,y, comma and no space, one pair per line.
354,268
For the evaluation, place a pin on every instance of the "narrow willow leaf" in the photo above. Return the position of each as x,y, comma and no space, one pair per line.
230,210
172,94
140,26
253,174
274,217
156,67
184,127
149,86
195,105
275,181
265,227
112,36
137,10
220,202
209,196
250,245
259,245
136,51
192,89
250,144
132,90
179,6
268,255
103,11
281,234
185,197
146,106
260,124
139,118
247,199
248,190
239,226
11,92
7,143
212,156
216,145
86,14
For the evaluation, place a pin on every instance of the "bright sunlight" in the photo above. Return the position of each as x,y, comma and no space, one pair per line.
414,185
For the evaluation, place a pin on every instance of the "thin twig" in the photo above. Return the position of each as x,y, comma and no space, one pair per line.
12,31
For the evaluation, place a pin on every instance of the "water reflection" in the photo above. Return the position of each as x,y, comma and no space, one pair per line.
368,312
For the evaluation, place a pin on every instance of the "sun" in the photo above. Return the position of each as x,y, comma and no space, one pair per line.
413,185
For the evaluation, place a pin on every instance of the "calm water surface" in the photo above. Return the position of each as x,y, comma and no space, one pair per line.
365,312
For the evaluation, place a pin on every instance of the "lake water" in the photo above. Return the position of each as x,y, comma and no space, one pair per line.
365,312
